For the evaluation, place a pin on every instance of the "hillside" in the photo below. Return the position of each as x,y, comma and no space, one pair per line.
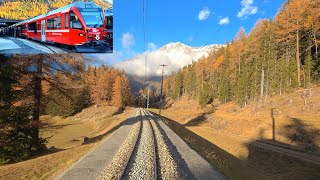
138,82
237,129
66,142
276,57
167,54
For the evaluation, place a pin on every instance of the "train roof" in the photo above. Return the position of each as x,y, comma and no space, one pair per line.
75,4
21,22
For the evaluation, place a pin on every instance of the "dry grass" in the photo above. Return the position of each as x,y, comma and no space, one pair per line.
233,128
44,167
91,122
67,137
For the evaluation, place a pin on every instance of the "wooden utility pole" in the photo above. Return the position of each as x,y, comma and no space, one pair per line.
160,103
148,100
273,126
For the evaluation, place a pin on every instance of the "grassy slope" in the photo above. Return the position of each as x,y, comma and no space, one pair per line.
67,138
234,129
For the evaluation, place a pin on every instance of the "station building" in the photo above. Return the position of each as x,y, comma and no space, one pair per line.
6,23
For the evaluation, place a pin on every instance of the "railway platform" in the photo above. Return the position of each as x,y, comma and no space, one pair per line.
11,45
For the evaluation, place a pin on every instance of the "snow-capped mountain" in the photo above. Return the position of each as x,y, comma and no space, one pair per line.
175,55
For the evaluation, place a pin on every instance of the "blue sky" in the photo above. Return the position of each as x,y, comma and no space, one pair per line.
192,22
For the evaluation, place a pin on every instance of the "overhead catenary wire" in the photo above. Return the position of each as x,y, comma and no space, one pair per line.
196,36
212,36
144,24
175,52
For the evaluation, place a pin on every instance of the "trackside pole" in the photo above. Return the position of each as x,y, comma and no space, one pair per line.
148,101
160,103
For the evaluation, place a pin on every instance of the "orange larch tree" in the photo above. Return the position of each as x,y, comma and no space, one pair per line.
117,96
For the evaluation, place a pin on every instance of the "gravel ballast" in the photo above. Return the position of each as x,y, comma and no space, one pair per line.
114,169
141,165
91,164
153,151
167,168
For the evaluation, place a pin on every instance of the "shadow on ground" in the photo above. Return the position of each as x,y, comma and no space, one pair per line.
302,135
263,162
230,165
119,111
297,159
196,121
173,150
55,127
87,140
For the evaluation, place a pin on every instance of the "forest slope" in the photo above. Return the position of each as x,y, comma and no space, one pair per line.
234,128
66,143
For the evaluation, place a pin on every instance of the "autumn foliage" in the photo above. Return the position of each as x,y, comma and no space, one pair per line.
109,85
46,84
278,56
21,10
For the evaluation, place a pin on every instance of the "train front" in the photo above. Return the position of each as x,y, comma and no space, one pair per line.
94,29
109,26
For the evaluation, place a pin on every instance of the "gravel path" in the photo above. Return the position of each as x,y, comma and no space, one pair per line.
115,168
141,165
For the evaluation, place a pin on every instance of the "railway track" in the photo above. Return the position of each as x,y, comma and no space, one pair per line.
142,162
145,154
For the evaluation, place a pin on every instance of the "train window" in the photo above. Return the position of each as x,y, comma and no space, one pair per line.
93,18
75,21
54,23
57,22
50,24
30,27
109,22
66,21
33,27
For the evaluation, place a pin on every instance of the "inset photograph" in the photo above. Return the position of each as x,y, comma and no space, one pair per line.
63,26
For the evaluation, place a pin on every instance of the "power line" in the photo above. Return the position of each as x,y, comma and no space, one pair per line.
213,35
196,36
144,21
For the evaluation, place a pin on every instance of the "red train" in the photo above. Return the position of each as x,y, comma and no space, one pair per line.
109,26
81,25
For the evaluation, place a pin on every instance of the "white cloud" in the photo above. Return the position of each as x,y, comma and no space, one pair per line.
104,58
110,1
127,40
247,8
224,21
152,46
177,55
204,14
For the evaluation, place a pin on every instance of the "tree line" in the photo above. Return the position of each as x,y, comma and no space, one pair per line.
36,85
278,56
21,10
